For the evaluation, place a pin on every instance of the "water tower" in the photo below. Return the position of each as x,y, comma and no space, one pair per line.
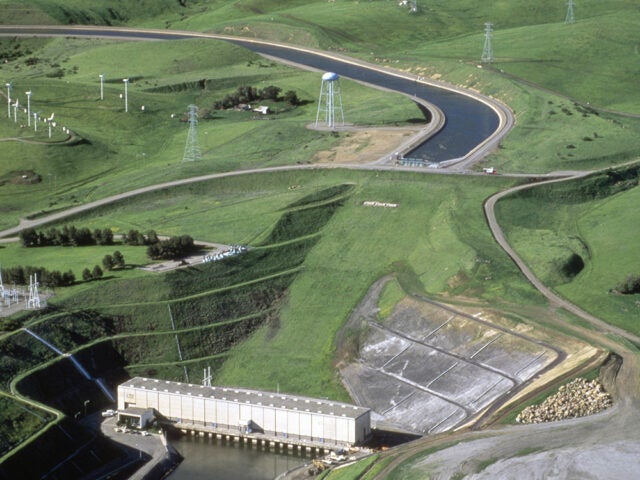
330,101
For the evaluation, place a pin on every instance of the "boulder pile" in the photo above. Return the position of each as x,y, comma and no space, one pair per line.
577,398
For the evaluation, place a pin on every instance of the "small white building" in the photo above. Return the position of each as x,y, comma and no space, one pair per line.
291,417
136,417
263,109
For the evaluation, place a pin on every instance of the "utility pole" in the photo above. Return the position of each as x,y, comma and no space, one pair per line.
126,94
8,85
29,93
101,86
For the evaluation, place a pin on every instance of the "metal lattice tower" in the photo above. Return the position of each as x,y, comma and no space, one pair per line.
206,377
330,100
487,51
34,297
1,285
569,18
192,149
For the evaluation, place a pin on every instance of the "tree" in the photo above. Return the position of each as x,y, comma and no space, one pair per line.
118,260
83,237
50,237
107,236
96,272
52,279
152,237
174,248
68,278
97,236
270,93
29,237
62,237
291,98
86,275
107,262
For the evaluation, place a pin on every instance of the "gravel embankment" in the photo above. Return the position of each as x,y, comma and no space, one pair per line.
578,398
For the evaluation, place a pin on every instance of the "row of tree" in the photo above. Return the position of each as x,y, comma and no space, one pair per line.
172,249
135,237
20,276
247,94
95,274
69,235
113,262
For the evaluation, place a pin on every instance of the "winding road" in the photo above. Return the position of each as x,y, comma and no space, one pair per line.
607,444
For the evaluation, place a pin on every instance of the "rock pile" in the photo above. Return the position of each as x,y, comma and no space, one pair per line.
578,398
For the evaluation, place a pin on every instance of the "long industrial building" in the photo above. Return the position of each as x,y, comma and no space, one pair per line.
293,418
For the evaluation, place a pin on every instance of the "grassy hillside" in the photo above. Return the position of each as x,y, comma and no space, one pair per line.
146,147
294,287
579,238
101,12
591,60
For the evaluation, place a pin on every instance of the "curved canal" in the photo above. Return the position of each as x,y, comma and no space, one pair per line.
469,122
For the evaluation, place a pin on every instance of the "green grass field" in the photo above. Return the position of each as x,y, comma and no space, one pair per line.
550,225
119,151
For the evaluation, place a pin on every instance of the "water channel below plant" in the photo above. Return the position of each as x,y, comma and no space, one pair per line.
206,459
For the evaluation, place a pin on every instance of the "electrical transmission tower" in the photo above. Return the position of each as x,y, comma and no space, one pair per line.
192,149
487,51
1,285
206,377
569,18
34,297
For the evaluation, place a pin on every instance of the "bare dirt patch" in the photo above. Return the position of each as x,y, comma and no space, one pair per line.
364,146
21,177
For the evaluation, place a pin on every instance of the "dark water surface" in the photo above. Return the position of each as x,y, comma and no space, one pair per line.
220,460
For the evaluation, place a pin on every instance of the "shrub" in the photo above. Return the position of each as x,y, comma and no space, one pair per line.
630,286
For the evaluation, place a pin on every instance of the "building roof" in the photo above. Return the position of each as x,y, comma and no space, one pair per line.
252,397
